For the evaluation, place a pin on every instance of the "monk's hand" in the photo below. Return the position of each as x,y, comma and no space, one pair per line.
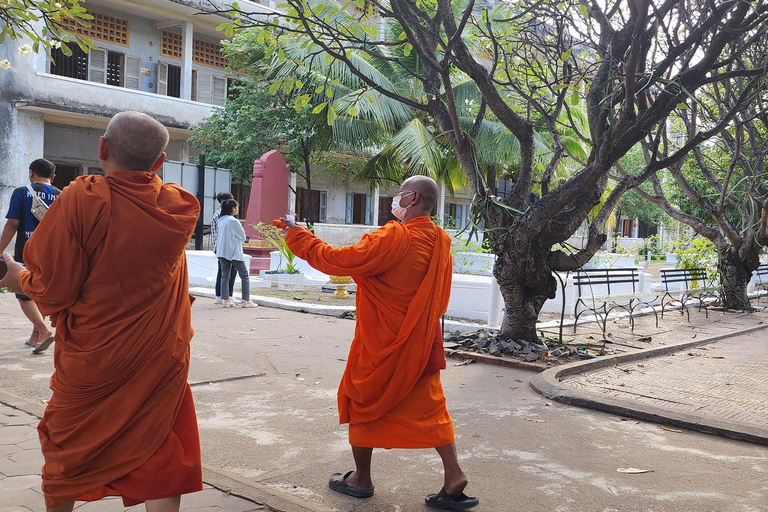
290,223
11,279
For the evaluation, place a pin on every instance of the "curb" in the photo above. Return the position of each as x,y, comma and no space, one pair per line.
494,361
235,485
548,385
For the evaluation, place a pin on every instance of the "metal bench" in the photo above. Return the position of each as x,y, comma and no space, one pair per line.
761,273
691,284
602,290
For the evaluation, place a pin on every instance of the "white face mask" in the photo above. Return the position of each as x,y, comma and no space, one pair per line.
397,210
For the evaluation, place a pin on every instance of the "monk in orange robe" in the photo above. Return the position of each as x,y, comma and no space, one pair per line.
390,393
107,263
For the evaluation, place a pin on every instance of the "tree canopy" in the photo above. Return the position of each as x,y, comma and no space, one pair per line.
607,74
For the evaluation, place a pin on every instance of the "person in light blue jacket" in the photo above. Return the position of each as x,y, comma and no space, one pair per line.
229,250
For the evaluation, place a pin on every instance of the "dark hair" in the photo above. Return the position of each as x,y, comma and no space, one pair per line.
228,206
43,168
222,196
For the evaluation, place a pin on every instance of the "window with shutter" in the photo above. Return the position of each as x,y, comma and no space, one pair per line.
162,78
132,75
368,216
97,66
350,208
323,206
219,93
203,87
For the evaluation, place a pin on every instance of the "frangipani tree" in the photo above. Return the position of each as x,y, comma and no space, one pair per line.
627,64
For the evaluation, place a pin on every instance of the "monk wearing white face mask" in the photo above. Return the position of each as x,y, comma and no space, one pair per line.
390,393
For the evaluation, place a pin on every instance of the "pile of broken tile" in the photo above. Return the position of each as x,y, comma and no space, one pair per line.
487,342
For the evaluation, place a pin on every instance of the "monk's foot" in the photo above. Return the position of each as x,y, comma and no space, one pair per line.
455,485
354,480
351,485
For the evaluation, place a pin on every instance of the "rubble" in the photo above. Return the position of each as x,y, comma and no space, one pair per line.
487,342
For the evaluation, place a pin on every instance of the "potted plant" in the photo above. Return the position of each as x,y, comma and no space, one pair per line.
291,277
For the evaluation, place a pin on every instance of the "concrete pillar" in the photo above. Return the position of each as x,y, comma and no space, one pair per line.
21,142
375,207
187,37
440,203
495,306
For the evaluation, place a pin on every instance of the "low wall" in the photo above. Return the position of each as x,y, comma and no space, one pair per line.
203,265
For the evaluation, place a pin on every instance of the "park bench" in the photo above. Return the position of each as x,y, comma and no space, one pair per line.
761,273
683,285
602,290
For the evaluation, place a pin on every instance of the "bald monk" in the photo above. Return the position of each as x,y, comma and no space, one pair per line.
107,264
390,393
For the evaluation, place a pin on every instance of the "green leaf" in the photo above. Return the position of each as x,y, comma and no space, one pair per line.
575,98
351,111
682,106
567,54
222,26
275,86
584,11
319,108
331,115
407,49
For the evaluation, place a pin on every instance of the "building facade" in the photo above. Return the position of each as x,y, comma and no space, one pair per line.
160,57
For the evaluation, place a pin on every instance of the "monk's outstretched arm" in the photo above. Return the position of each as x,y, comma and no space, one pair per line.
375,253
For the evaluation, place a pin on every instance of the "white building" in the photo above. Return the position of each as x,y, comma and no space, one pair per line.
160,57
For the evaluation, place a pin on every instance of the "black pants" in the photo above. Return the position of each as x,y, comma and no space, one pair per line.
232,278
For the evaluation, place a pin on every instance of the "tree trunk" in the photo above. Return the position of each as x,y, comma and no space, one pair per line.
526,282
735,274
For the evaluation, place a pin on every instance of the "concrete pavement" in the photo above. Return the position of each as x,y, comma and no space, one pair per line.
264,382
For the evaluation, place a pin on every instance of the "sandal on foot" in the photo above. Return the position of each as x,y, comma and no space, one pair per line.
338,483
443,501
43,346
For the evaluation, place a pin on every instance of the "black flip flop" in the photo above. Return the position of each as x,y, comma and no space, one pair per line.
338,483
43,346
443,501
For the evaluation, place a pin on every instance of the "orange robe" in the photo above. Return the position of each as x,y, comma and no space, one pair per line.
107,264
403,275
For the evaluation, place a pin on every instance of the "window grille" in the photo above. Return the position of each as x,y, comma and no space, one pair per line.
74,66
174,81
104,27
208,54
170,44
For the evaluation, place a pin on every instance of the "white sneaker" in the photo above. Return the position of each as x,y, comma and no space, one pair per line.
227,304
237,301
250,304
217,300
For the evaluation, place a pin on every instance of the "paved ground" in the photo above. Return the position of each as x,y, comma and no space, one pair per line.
264,382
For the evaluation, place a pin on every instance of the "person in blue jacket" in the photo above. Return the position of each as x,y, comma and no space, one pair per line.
22,223
229,250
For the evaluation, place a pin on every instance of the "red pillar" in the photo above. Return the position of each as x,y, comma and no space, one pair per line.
268,201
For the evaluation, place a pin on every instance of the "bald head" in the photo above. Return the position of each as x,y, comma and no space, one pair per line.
135,141
427,189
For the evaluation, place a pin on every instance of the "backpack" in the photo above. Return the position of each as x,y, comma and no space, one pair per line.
39,207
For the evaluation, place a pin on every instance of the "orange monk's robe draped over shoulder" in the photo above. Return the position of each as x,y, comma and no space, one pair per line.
107,263
403,275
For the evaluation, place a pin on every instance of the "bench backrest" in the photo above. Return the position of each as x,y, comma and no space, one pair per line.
605,281
686,278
